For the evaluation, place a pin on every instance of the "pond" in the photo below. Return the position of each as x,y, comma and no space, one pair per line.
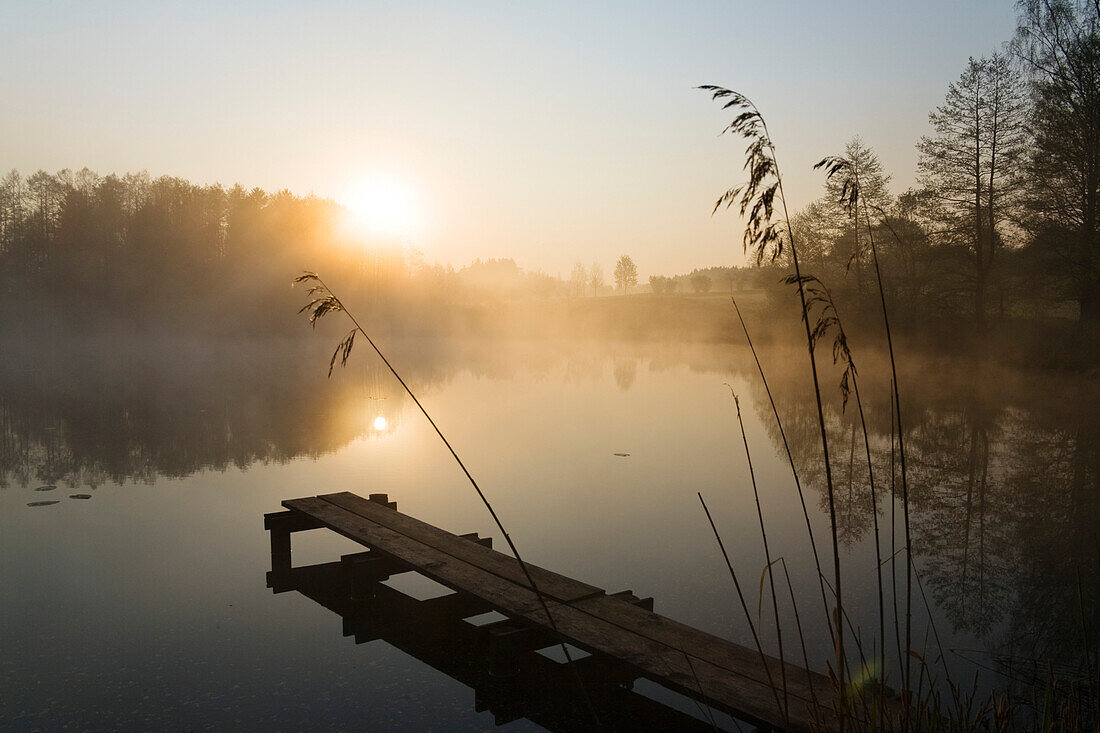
143,603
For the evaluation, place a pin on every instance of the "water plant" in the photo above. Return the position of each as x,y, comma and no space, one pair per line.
836,166
765,236
1055,704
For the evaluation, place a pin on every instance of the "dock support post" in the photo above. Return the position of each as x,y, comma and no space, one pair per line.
280,549
502,657
384,500
281,525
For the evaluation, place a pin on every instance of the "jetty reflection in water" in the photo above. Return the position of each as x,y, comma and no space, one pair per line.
443,632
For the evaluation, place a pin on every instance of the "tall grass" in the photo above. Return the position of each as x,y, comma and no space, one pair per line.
794,468
744,606
852,192
768,570
828,320
763,235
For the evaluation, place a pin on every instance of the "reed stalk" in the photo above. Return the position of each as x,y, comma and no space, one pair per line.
794,469
324,302
901,441
878,546
801,634
757,197
767,559
744,606
893,531
852,192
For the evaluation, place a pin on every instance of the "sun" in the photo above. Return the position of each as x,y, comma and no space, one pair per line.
383,207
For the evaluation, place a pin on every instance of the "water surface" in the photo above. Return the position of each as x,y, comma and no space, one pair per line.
146,605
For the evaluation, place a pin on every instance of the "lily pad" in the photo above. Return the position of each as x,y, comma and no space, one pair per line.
47,487
42,503
80,496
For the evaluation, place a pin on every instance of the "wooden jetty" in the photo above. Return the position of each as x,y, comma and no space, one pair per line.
625,637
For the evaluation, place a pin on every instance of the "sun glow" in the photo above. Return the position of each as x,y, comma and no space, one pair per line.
380,423
382,207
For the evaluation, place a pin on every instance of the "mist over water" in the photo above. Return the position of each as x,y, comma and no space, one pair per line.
184,444
822,389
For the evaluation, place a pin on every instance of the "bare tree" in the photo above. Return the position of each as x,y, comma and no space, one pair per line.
11,209
578,279
1059,43
970,165
595,278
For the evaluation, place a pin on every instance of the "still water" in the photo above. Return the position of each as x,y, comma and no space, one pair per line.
145,605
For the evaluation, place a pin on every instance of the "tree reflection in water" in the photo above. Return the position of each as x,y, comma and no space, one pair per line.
1005,490
1005,464
92,419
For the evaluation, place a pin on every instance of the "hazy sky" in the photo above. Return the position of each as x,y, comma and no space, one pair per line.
548,132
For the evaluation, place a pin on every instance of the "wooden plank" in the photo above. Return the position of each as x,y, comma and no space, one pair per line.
734,691
289,522
713,649
730,690
456,574
474,537
550,584
383,499
629,597
802,684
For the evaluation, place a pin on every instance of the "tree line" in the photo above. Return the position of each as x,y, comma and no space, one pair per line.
149,253
1002,221
1001,224
133,252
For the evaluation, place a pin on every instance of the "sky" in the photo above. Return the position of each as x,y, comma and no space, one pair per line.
548,132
